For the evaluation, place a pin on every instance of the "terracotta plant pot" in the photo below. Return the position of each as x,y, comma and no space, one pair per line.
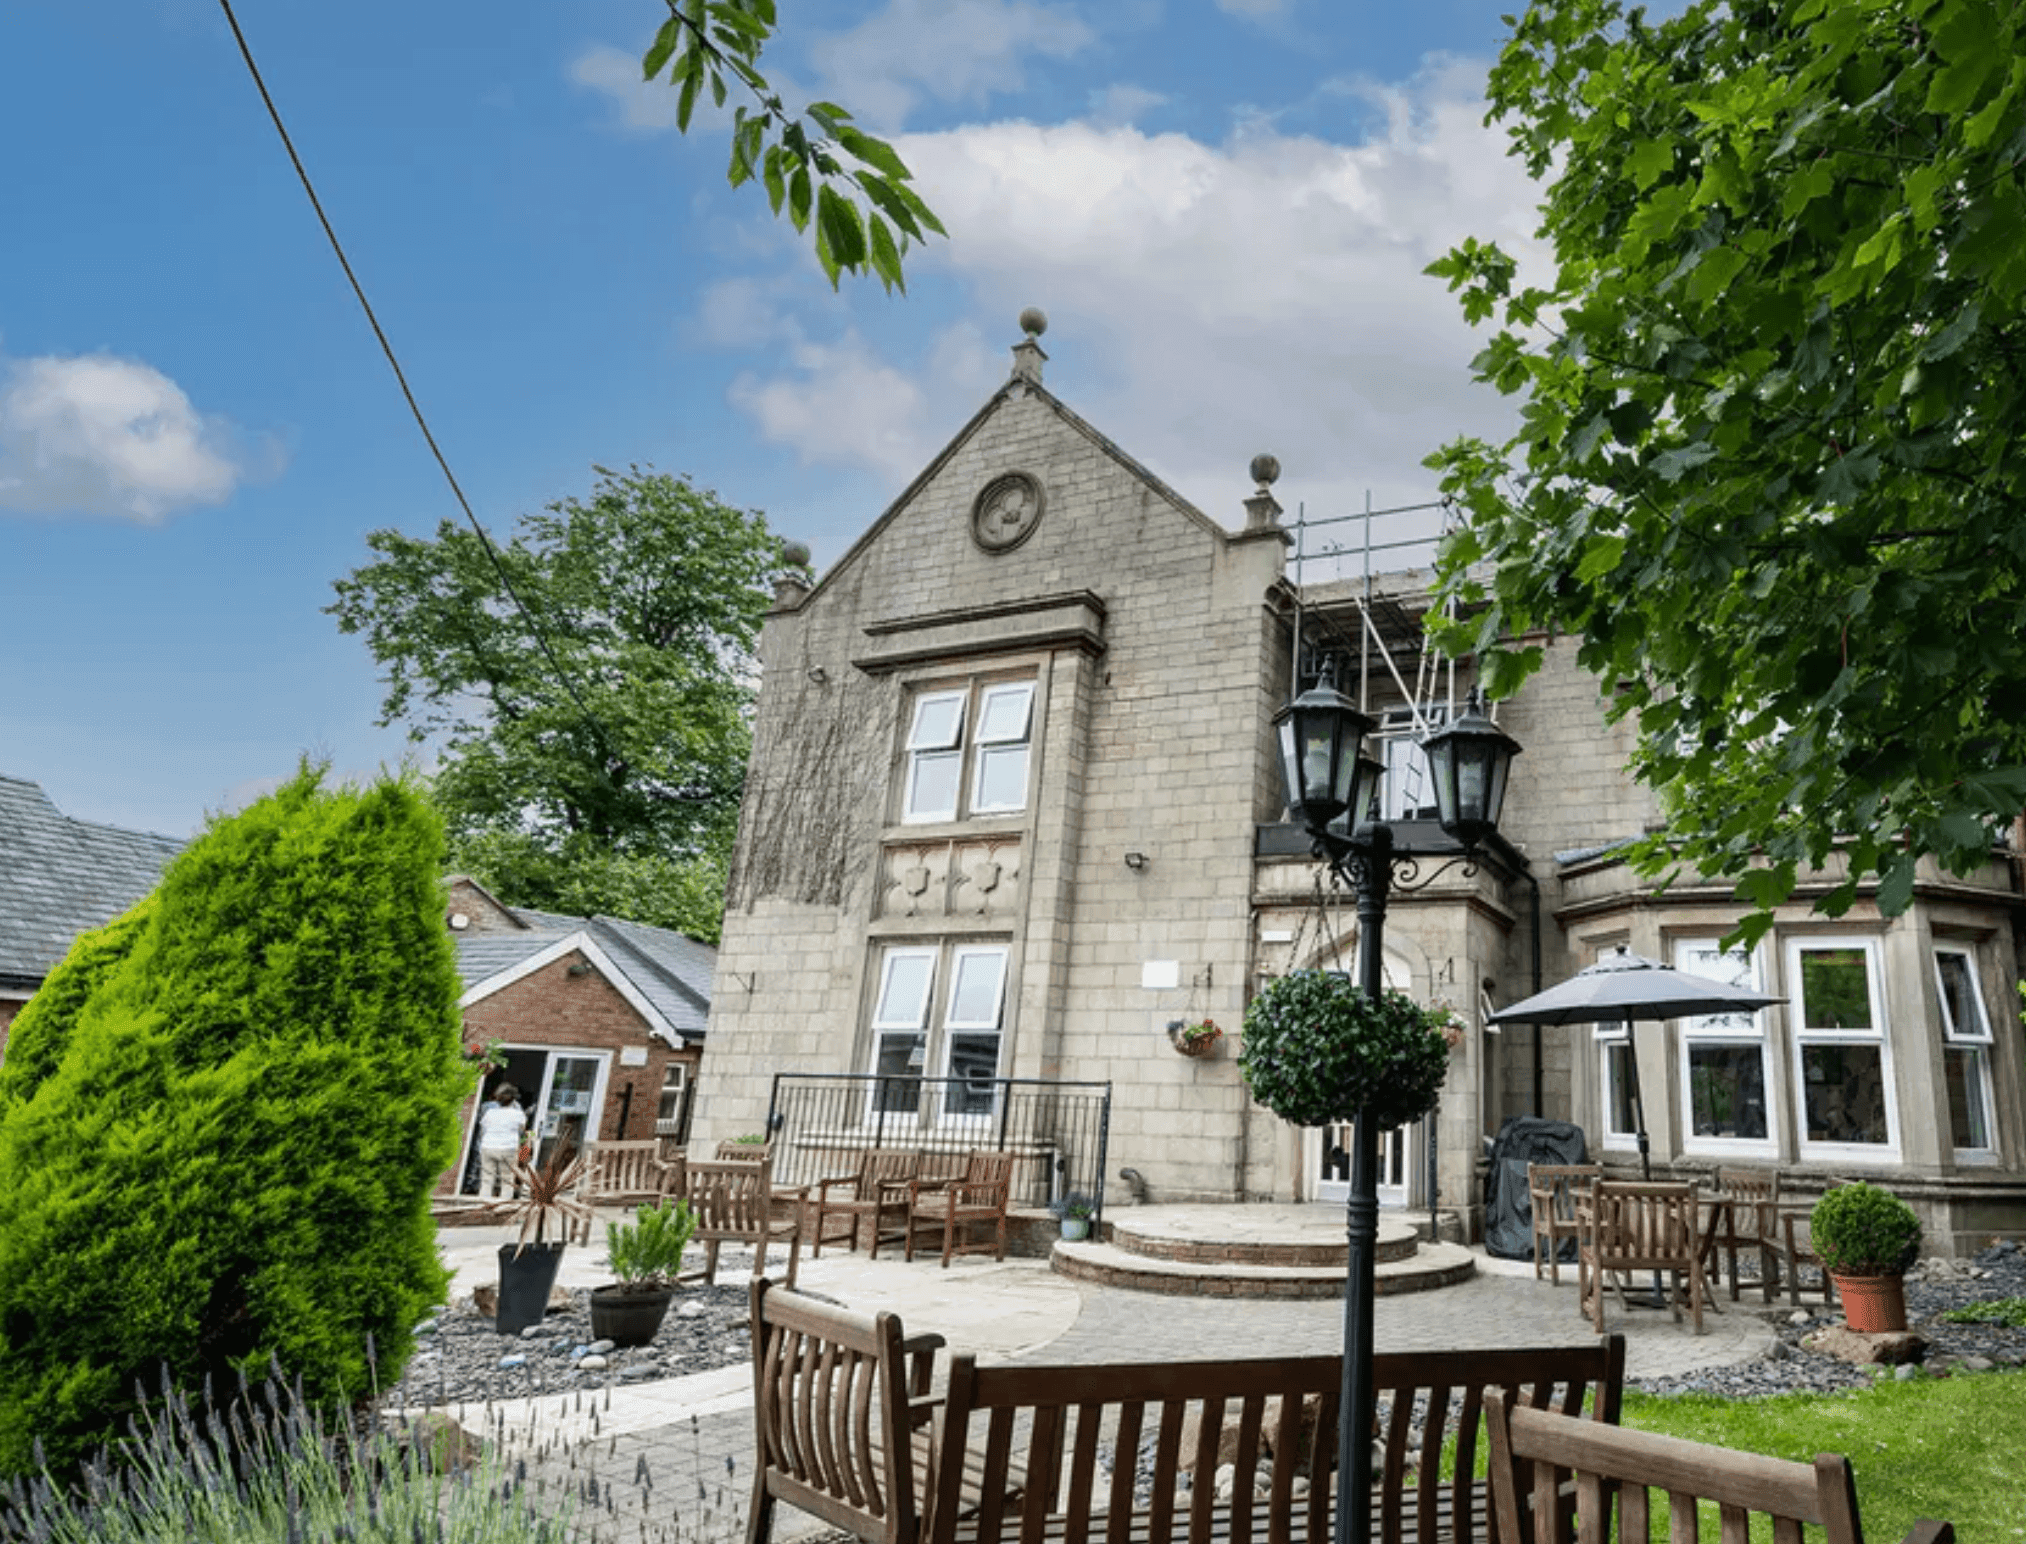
1873,1305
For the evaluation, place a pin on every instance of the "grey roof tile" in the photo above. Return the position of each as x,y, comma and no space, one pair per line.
60,877
671,971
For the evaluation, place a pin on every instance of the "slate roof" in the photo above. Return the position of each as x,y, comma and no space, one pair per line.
60,877
671,971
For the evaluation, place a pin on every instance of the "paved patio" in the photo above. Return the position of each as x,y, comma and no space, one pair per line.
680,1432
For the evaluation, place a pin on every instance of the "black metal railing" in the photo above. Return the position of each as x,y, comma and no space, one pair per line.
820,1122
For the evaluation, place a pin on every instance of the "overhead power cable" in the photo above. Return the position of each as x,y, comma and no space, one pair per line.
415,408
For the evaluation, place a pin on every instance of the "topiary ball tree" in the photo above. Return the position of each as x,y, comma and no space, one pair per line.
1318,1050
230,1160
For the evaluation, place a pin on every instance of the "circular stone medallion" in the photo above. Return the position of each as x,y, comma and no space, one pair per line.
1006,512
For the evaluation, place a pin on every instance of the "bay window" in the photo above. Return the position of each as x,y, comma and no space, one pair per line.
1842,1059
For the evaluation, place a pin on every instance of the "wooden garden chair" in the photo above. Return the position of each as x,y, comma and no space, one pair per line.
734,1203
1745,1214
1642,1480
1554,1190
876,1186
974,1201
1630,1227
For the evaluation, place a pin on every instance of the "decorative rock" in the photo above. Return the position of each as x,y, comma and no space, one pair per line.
592,1363
1226,1481
1800,1316
1891,1349
636,1370
427,1327
533,1331
1978,1364
450,1448
600,1347
516,1360
560,1300
691,1310
1906,1372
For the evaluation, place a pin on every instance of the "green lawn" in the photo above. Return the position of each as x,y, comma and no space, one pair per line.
1935,1447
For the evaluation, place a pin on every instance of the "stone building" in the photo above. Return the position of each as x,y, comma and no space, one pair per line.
1013,810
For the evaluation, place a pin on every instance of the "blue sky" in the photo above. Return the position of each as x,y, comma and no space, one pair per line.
1223,206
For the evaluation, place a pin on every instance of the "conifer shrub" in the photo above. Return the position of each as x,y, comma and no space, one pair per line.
42,1029
228,1164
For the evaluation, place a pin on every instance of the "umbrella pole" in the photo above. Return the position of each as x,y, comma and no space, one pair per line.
1645,1146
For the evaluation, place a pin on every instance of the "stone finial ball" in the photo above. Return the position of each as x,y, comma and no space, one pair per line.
1034,321
1265,469
795,554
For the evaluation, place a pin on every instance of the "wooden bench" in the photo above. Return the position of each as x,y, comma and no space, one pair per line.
1618,1471
620,1174
1075,1435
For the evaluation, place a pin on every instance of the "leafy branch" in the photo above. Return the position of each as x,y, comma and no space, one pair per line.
819,165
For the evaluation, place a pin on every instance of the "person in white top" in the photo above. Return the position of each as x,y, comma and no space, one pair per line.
499,1141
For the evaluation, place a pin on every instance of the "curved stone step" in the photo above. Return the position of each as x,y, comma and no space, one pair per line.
1432,1266
1293,1236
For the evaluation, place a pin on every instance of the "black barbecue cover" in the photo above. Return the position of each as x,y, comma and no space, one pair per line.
1508,1211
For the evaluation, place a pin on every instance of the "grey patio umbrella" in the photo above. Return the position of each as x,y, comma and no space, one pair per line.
1627,986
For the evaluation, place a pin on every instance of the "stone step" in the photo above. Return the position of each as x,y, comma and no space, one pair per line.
1431,1266
1226,1235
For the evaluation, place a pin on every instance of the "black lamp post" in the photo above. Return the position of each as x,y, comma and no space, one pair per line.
1332,785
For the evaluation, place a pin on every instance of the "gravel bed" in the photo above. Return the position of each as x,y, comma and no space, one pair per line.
1931,1290
461,1359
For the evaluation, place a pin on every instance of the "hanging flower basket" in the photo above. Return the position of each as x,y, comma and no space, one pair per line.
1318,1050
1199,1038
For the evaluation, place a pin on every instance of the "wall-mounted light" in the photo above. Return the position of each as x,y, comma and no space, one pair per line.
1137,862
581,968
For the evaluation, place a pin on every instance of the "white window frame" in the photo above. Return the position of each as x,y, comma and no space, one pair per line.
1805,1036
1399,737
1000,691
994,1023
966,750
923,752
1694,955
891,1023
1606,1036
1975,1041
674,1081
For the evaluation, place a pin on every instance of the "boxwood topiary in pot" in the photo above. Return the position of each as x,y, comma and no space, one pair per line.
1866,1237
645,1256
1318,1050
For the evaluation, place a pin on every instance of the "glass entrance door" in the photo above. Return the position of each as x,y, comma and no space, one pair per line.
1331,1164
571,1097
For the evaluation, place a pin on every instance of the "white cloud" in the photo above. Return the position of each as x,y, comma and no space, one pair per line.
1123,104
642,104
952,50
1211,301
93,434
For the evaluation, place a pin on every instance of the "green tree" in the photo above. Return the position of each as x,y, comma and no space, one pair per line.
599,767
818,165
231,1159
1768,468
